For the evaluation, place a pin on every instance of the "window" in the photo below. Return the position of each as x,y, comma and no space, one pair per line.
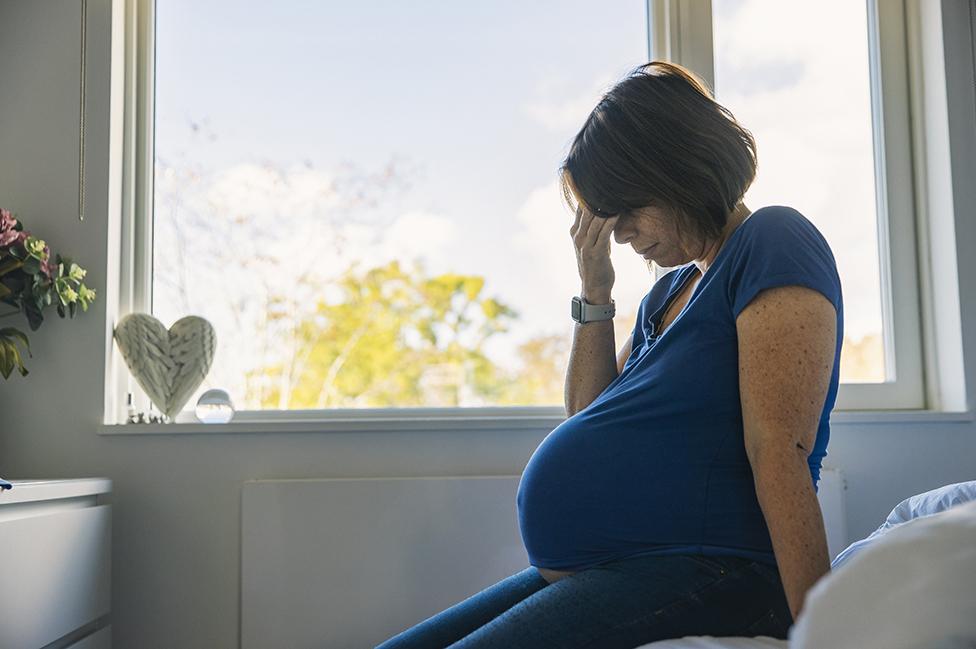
819,85
362,198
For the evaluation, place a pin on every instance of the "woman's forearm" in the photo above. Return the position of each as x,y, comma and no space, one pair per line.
795,522
592,360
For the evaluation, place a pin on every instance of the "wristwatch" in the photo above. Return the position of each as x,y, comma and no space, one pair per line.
583,312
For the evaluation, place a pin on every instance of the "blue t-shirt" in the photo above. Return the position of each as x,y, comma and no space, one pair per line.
656,464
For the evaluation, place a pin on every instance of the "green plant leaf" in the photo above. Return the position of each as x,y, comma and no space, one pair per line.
16,281
32,265
9,358
6,359
9,332
10,264
13,351
34,315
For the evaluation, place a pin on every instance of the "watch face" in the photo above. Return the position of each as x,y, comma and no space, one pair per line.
577,309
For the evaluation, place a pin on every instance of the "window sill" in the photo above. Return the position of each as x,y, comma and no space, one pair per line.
381,420
843,417
394,420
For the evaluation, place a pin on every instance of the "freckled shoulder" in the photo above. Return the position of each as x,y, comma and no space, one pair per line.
786,340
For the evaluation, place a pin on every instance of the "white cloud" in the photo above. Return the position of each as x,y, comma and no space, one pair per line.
295,218
562,104
771,29
414,234
547,254
268,192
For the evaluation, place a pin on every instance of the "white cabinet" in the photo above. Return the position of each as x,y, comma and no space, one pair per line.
55,564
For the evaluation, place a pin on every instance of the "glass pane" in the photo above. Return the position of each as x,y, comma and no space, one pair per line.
796,74
361,197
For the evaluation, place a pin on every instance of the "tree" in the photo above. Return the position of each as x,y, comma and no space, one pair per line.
539,380
397,338
254,247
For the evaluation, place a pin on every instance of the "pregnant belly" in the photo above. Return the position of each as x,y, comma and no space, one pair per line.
591,492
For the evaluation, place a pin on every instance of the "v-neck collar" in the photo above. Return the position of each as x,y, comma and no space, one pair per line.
655,318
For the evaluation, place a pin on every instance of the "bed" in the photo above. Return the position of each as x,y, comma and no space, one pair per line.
911,584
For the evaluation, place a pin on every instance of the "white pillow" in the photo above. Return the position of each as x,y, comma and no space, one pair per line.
932,502
923,504
913,588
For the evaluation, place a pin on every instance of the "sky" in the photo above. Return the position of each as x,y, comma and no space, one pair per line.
475,105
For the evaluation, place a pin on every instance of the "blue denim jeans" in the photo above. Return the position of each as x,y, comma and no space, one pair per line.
619,604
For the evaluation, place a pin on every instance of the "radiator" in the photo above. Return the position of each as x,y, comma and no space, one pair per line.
347,563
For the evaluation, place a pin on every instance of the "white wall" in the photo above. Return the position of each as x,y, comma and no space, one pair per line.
176,536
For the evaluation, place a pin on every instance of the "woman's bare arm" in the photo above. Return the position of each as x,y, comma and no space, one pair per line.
787,337
591,360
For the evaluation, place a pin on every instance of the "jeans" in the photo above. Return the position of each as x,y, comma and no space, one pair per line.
618,604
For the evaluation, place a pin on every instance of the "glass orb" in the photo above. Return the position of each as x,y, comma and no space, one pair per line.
214,407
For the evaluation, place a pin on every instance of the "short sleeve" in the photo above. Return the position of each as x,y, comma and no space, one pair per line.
781,247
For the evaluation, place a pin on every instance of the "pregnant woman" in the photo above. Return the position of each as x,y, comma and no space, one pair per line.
679,497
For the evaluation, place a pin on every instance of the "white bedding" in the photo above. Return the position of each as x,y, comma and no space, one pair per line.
914,588
710,642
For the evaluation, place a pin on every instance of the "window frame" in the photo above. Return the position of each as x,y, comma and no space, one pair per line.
678,30
133,50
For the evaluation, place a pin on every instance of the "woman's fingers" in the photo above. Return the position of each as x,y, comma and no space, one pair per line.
591,230
587,225
576,224
606,228
591,236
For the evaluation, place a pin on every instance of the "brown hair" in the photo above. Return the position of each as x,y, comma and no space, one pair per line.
658,137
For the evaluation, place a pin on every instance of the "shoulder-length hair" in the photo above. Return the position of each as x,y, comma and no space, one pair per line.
658,137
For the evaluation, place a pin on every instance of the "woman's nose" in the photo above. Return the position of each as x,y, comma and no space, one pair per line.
620,234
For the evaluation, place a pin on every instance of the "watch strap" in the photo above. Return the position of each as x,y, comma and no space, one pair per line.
592,312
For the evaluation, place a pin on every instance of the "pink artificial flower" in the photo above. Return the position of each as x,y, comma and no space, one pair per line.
7,220
14,237
47,267
8,236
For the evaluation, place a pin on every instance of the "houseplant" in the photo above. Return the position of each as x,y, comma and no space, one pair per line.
30,282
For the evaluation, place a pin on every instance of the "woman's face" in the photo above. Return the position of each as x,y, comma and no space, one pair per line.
652,231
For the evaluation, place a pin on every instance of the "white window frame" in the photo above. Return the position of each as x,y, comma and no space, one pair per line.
678,30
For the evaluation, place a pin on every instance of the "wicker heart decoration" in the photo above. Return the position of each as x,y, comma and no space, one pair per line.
169,365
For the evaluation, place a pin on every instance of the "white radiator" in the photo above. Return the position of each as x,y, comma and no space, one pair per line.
347,563
830,493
